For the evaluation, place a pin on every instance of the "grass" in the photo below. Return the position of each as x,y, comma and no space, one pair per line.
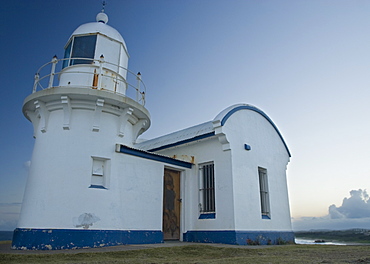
208,254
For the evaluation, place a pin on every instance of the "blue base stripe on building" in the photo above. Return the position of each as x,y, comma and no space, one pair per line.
240,237
45,239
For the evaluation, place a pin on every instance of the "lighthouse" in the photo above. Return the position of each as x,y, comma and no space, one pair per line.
80,110
93,184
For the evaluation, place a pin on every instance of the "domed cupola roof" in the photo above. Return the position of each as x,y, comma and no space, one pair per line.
100,27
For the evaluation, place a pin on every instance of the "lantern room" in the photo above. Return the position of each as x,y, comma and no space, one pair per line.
96,56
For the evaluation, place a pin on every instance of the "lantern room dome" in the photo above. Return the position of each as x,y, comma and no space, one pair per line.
101,28
90,46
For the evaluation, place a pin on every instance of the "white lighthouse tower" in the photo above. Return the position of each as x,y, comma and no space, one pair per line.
92,184
79,115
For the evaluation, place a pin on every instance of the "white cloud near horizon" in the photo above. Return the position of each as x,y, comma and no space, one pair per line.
357,206
353,213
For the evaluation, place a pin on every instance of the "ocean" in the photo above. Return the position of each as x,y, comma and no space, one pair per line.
303,241
6,235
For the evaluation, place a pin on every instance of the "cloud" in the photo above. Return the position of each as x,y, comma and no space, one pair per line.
353,213
357,206
334,213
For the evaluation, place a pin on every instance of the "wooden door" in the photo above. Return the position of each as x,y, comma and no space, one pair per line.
171,205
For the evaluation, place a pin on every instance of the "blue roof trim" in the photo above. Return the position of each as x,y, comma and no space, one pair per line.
255,109
152,156
184,141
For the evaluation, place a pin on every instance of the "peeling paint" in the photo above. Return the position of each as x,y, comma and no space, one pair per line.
49,247
42,239
85,220
186,158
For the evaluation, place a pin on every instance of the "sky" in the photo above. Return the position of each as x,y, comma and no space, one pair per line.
306,64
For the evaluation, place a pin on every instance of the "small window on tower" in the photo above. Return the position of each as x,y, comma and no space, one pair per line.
99,173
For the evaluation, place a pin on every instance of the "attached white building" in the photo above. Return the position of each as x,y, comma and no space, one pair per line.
91,185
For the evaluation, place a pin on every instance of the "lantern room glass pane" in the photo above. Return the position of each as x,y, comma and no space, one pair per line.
67,55
83,47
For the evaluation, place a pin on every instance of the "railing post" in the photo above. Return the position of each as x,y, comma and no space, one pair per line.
101,61
138,78
143,98
37,77
51,79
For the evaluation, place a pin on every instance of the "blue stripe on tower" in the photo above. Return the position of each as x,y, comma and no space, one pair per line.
46,239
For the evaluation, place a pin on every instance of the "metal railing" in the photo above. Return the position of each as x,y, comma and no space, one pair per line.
134,86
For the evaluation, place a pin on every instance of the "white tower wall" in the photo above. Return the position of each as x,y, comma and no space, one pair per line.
77,179
62,160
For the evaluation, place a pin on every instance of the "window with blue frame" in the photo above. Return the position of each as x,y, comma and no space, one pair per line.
207,191
99,173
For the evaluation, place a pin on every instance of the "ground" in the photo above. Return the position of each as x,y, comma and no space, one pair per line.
194,253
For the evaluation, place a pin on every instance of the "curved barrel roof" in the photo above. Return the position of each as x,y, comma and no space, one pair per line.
202,130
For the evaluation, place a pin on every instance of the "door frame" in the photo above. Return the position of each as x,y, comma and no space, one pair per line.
181,196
